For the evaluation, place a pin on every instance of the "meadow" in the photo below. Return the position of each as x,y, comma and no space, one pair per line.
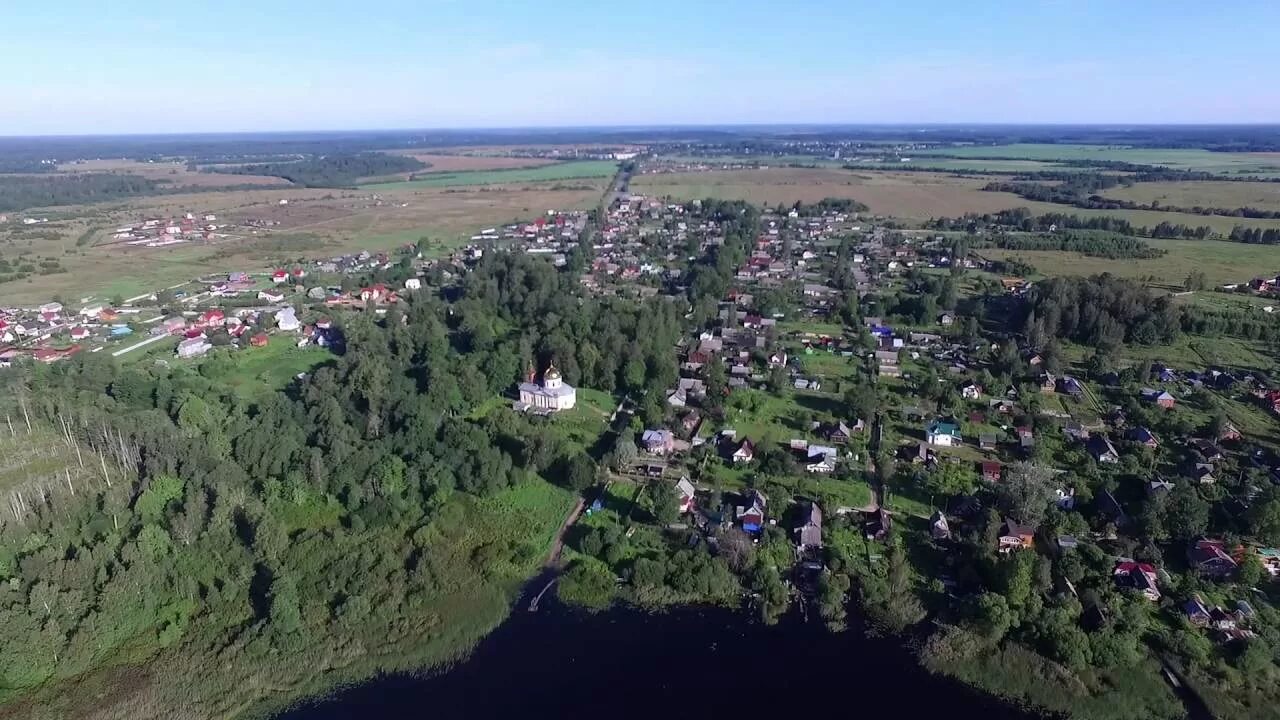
1150,218
465,163
172,174
315,223
545,173
1221,262
915,195
1182,159
1263,196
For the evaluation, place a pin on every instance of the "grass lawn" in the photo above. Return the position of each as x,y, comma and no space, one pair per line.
1190,352
587,421
764,418
545,173
254,371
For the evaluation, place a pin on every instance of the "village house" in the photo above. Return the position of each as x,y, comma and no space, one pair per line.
1102,450
1161,398
939,528
193,347
820,459
943,433
686,495
1143,436
751,515
971,390
841,432
744,453
658,442
991,471
809,532
1211,559
1015,536
1137,576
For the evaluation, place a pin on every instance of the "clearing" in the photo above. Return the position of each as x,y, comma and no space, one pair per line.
1229,195
171,174
1222,262
316,223
463,163
546,173
918,195
1182,159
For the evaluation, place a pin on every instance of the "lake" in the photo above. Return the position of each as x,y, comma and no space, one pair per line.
562,662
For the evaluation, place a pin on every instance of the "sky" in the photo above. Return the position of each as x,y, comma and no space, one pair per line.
142,66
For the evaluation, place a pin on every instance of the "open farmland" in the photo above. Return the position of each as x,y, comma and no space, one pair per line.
905,195
1150,218
873,163
315,223
1222,262
172,174
466,163
547,173
1230,195
1182,159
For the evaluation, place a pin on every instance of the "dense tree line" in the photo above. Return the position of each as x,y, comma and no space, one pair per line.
1200,320
25,167
826,205
1022,219
18,192
1081,190
1107,245
1255,236
329,170
1099,311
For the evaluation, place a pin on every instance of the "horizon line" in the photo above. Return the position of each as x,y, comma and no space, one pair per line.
905,125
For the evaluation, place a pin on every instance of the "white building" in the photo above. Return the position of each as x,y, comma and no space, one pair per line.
193,347
286,320
552,394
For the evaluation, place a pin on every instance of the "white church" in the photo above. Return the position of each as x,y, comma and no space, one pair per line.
551,395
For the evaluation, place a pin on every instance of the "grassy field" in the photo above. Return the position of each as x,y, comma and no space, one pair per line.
874,163
1222,262
546,173
466,163
171,174
315,223
903,195
1150,218
254,371
1263,196
1183,159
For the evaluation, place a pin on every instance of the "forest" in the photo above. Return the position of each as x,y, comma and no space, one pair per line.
359,504
18,192
1094,244
343,170
1101,311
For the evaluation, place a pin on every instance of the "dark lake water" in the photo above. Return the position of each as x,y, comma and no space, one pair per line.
560,662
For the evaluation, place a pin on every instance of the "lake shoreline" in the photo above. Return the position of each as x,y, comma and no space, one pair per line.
637,662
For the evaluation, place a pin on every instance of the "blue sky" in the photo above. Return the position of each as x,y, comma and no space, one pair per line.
86,66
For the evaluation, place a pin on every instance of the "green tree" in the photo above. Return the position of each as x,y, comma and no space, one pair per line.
1025,491
951,478
666,505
